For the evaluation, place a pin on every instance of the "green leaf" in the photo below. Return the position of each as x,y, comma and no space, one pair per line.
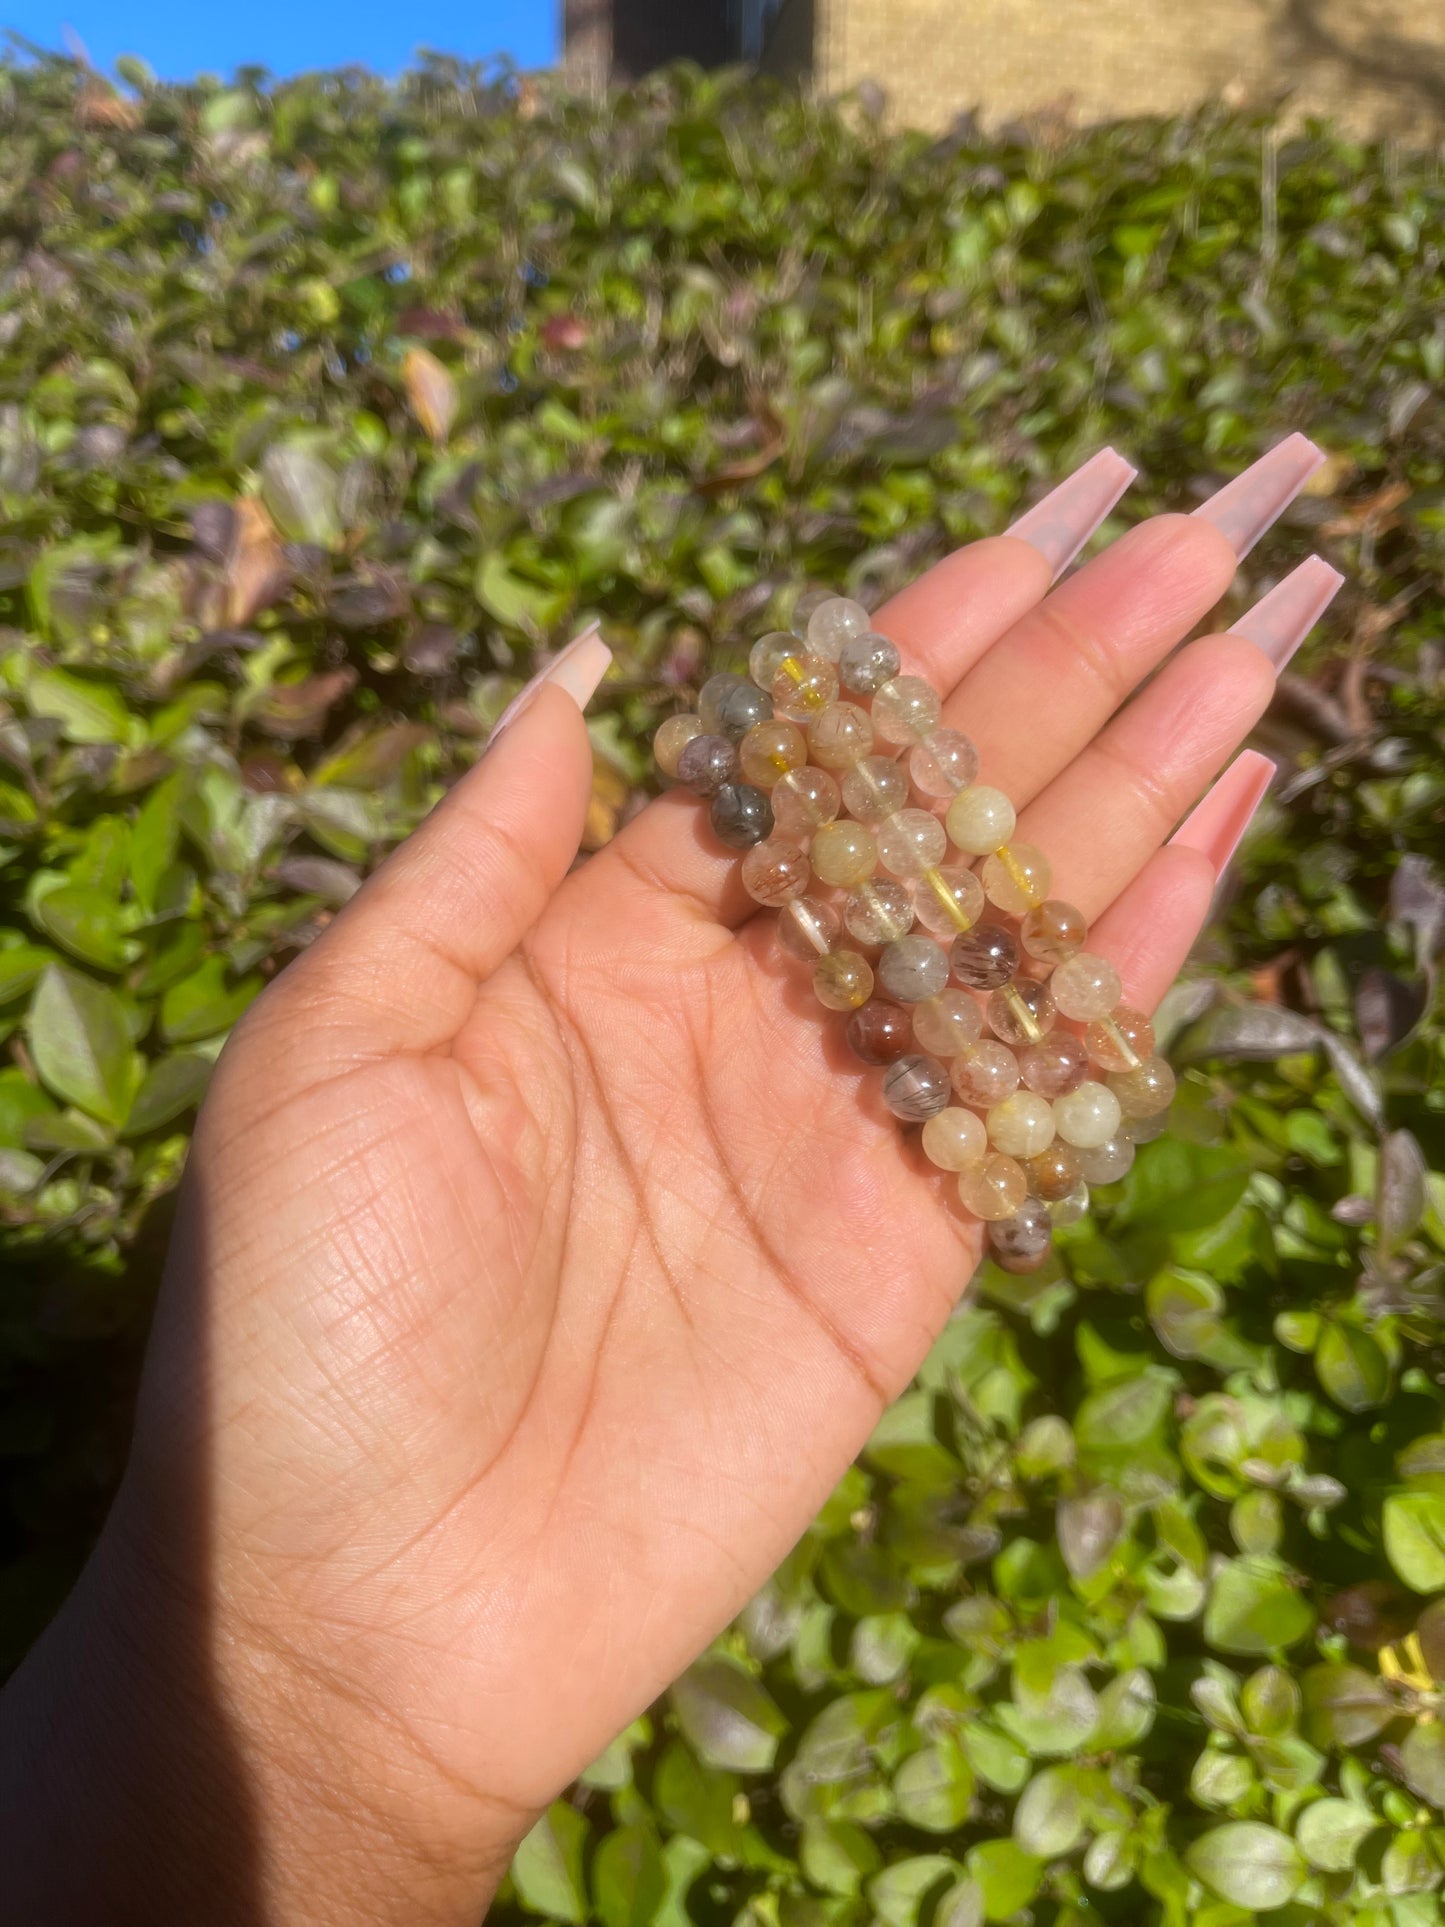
1007,1877
19,968
1414,1529
1352,1368
547,1867
898,1891
1253,1865
628,1882
1422,1761
205,1002
726,1716
169,1087
90,926
515,602
1330,1832
1345,1705
837,1856
933,1789
81,1043
88,712
1253,1608
1049,1818
1126,1711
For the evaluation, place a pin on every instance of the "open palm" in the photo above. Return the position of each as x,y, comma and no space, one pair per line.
545,1258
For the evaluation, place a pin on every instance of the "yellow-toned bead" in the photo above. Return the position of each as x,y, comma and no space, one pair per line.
844,854
986,1073
874,789
804,800
1016,877
843,980
1088,1116
770,750
1054,1172
1085,987
1021,1013
993,1188
1054,931
1022,1125
803,686
775,871
979,819
948,899
840,735
767,655
947,1024
1144,1092
1121,1041
910,842
672,739
905,710
954,1139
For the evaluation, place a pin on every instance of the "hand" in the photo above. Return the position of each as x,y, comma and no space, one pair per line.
544,1259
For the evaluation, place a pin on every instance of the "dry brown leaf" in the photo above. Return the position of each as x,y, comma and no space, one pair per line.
256,574
99,106
431,392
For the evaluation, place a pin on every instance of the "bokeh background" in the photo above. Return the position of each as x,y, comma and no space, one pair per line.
329,405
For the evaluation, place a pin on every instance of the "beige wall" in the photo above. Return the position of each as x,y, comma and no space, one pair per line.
1376,64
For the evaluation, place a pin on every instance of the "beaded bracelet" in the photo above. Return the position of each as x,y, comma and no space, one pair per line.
813,785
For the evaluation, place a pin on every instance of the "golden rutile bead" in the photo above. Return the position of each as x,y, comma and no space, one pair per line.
844,854
946,1024
672,739
1021,1125
843,980
1053,931
993,1188
1087,1116
985,1073
1144,1092
874,788
804,800
1016,877
1121,1041
979,819
905,710
948,899
878,911
943,763
1085,987
803,686
834,622
808,928
770,750
910,843
954,1139
1021,1013
767,654
840,736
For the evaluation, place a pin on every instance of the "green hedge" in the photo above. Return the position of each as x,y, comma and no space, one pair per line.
322,406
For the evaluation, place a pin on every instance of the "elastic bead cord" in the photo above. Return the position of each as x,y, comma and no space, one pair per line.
808,769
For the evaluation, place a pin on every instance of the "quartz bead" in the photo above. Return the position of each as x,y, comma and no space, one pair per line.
1054,1066
1144,1130
943,763
867,662
915,1088
1085,987
986,1073
766,656
775,872
808,928
1105,1163
843,980
672,739
1087,1116
844,854
905,710
809,601
948,899
946,1024
710,699
874,789
910,843
1069,1209
878,911
840,735
803,686
740,709
985,957
706,763
741,815
979,819
1052,932
1016,878
1022,1243
880,1033
994,1188
1121,1041
954,1139
1021,1013
1144,1092
835,622
1022,1125
771,749
1054,1172
913,968
805,799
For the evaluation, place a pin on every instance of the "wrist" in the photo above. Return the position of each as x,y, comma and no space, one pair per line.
159,1760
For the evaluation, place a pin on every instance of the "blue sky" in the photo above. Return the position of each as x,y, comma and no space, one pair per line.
184,37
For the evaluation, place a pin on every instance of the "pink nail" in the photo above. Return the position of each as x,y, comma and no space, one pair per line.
1279,622
578,669
1244,508
1216,824
1060,525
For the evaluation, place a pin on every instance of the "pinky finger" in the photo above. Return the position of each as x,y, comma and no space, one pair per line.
1150,927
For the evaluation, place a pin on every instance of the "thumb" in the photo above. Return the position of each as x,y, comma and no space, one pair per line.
399,968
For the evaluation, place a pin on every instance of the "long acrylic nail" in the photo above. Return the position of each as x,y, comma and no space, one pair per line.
578,669
1244,508
1060,525
1279,622
1216,824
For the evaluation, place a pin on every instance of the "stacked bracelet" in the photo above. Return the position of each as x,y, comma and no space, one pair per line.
975,961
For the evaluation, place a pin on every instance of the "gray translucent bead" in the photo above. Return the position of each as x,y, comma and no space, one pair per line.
706,764
741,815
740,708
710,698
803,608
913,968
866,662
916,1088
1021,1243
1108,1162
